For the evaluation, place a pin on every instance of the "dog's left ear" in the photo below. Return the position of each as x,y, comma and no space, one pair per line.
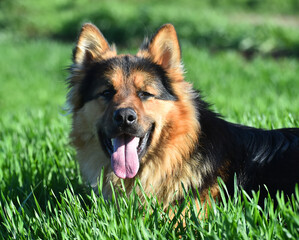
164,49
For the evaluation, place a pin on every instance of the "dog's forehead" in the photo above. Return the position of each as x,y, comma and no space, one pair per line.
131,71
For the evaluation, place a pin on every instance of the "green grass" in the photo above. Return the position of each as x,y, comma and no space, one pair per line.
42,193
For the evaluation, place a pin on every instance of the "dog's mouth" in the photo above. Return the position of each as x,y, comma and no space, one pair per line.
126,151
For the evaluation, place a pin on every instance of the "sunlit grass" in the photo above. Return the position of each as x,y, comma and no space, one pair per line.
42,193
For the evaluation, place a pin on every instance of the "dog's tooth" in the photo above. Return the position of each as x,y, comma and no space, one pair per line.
112,141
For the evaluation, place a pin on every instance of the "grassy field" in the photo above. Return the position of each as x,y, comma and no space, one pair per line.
42,193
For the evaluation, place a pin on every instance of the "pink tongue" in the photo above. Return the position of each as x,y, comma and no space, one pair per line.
124,159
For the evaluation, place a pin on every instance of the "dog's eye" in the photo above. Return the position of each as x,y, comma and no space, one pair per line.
107,94
144,95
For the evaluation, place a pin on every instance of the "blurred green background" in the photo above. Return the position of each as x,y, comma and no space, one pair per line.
266,26
36,38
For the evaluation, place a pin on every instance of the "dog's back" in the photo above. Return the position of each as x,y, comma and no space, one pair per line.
265,158
272,159
258,157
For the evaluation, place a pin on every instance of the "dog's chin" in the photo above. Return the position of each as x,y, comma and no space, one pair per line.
144,142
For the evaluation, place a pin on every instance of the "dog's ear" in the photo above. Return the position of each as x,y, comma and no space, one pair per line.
164,49
91,46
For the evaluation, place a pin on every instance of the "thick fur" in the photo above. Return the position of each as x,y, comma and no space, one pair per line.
189,144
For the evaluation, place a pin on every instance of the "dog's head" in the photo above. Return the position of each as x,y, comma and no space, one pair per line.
127,101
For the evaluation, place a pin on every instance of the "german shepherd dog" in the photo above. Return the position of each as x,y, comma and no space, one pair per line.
134,116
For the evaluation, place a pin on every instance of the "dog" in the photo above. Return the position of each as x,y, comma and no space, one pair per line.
135,117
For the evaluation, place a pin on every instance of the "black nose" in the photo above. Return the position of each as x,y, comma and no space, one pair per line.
125,117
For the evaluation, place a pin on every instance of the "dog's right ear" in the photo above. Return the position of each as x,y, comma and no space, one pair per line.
164,49
91,46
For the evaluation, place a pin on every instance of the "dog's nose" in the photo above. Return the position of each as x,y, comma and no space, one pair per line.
125,117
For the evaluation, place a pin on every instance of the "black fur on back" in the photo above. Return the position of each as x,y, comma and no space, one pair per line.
258,157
